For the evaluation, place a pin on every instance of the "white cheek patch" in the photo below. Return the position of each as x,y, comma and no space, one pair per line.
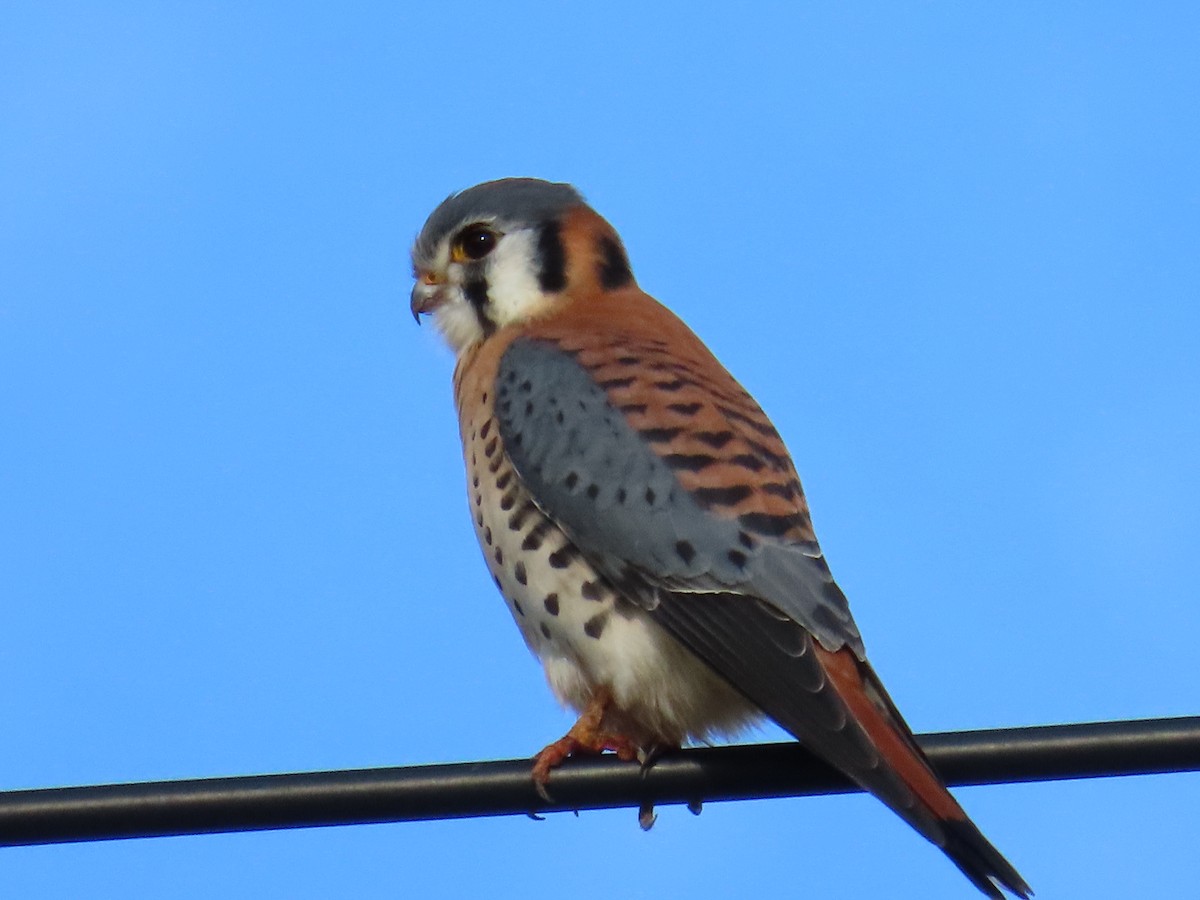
514,293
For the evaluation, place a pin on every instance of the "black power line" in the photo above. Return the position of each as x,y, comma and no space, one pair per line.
105,812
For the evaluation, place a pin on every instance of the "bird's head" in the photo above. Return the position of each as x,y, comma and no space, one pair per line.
507,251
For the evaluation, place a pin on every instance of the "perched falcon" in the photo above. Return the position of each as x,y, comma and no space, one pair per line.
642,517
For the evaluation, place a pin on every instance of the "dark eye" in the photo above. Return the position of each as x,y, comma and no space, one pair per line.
474,242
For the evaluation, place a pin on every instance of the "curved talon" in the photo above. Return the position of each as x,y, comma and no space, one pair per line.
584,736
647,816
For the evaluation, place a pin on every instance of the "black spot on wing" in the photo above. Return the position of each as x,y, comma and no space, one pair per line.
747,461
714,439
660,435
786,491
722,496
689,462
766,429
616,382
771,525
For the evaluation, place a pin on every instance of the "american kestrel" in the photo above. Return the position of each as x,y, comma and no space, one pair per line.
642,517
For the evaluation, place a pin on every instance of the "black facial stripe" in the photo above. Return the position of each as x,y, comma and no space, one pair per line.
552,262
476,292
614,266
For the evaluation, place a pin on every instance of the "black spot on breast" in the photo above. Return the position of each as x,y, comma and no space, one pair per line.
685,551
517,520
651,496
520,574
487,536
593,491
686,409
545,630
552,263
551,604
594,627
489,449
614,269
487,426
591,590
537,534
499,555
517,606
561,558
503,480
508,500
571,480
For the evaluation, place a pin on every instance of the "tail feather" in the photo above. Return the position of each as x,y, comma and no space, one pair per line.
980,861
952,830
834,704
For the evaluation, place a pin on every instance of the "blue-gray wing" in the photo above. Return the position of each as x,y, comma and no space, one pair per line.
615,489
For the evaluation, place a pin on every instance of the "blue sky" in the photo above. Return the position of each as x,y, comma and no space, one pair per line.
954,250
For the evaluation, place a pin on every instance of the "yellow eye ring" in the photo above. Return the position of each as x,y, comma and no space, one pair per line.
473,243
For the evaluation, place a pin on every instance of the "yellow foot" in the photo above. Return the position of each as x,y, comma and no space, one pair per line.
585,736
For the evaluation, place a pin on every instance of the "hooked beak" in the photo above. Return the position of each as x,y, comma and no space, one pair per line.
427,295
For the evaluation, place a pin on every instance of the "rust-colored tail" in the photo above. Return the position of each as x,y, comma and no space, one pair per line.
930,809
